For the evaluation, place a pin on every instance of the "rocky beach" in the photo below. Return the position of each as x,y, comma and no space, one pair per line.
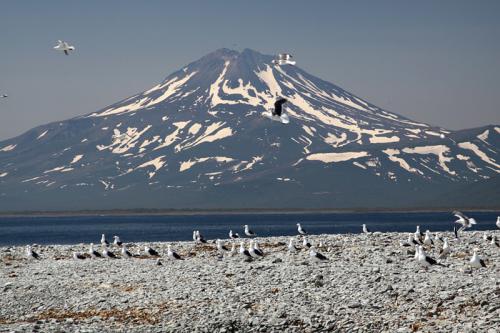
370,283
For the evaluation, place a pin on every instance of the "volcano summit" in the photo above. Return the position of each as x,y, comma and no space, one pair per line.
198,140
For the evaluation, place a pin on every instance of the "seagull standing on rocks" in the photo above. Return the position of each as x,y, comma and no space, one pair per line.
104,241
78,256
419,236
465,221
31,254
301,230
291,246
316,256
93,253
172,254
107,253
424,259
407,243
150,252
254,252
498,222
221,247
199,237
125,253
306,243
445,250
365,229
233,250
233,235
476,261
249,232
428,239
117,242
494,241
244,251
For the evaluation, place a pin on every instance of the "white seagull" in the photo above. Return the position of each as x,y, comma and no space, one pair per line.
221,247
407,243
498,222
78,256
254,251
494,241
424,259
428,239
104,242
301,230
365,229
233,249
249,232
172,254
125,253
233,235
108,254
150,252
117,241
283,59
93,253
30,254
316,256
465,221
291,246
306,243
419,236
476,261
244,251
445,250
199,237
64,46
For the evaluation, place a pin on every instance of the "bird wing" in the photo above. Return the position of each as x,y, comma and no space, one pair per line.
459,215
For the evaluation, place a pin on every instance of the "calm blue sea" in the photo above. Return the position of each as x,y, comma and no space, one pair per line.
86,229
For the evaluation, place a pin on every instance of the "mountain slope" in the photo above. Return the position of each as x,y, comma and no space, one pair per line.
197,140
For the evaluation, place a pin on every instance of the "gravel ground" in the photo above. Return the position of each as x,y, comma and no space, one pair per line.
369,284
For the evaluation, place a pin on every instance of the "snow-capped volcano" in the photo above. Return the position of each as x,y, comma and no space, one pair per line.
198,140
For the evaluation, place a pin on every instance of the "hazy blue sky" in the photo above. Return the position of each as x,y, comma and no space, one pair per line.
433,61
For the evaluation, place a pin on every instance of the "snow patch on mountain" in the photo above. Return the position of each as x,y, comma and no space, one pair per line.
439,150
8,148
480,154
186,165
336,157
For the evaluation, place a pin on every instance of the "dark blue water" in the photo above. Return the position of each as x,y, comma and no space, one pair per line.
86,229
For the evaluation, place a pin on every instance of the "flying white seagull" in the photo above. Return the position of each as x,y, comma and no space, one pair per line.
284,59
64,46
464,220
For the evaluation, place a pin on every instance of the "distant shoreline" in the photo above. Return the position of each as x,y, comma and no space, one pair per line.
159,212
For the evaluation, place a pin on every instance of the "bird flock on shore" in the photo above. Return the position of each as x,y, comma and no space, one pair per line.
417,244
